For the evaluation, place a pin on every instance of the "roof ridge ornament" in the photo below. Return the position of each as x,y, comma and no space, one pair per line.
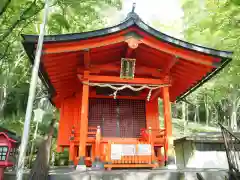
132,14
133,7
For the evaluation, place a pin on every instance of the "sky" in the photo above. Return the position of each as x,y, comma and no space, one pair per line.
164,15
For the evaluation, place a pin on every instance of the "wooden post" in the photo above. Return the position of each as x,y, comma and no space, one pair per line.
167,112
97,147
83,125
2,172
71,153
97,162
71,148
150,141
167,120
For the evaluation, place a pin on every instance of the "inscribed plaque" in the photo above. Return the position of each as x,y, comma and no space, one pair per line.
128,150
144,149
116,151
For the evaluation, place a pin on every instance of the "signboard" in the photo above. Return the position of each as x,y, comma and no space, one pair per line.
116,151
144,150
128,150
119,150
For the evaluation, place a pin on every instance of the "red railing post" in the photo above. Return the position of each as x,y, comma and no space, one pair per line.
97,162
2,173
98,139
71,148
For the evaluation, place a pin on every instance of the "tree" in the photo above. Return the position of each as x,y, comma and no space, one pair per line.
66,16
24,17
216,24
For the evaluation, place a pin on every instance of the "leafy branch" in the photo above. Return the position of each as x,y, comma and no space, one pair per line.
22,17
5,7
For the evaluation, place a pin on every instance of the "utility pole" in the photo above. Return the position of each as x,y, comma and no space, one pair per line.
31,97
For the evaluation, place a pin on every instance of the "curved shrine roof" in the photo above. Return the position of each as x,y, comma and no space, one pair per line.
188,65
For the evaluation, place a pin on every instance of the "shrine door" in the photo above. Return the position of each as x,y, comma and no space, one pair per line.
117,118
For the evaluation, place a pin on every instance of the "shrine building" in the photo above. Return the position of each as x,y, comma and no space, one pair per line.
106,84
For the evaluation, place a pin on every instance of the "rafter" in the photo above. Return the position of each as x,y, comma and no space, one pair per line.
179,52
170,65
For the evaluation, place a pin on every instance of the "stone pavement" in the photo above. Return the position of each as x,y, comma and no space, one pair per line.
131,174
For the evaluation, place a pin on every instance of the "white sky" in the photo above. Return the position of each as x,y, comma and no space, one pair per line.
156,13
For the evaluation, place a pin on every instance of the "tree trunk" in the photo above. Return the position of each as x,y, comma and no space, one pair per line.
195,115
40,167
234,114
184,117
198,118
206,109
3,97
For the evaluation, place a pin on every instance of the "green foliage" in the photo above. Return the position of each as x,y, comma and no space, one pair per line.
24,17
215,24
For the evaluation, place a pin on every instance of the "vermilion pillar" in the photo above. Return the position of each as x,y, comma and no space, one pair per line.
71,153
167,120
167,111
83,124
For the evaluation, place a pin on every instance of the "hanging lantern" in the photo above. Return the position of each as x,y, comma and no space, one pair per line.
38,114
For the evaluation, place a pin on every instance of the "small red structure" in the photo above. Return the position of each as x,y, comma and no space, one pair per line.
8,144
106,84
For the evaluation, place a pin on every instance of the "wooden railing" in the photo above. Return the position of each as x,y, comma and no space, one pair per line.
91,133
159,140
97,143
157,134
149,138
232,148
135,157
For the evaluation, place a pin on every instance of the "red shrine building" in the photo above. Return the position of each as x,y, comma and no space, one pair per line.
106,84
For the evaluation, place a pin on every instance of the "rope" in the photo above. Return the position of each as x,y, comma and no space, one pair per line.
129,86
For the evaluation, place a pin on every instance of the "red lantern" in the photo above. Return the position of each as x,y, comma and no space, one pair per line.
9,143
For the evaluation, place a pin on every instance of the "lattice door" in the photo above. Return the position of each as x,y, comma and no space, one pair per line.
118,118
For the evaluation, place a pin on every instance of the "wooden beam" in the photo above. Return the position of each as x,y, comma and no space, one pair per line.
186,56
101,68
115,79
84,45
116,68
155,94
153,71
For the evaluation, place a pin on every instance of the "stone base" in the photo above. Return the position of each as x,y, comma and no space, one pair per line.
70,163
81,165
81,168
97,164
